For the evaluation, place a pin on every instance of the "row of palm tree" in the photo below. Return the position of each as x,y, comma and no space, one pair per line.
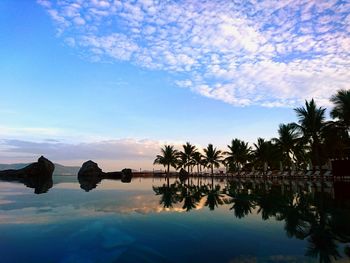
311,141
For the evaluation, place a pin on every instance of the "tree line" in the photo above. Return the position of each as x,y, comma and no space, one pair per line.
311,141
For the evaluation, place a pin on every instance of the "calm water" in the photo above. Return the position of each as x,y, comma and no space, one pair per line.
149,221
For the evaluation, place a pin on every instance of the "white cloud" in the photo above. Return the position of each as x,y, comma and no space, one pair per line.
79,21
244,53
116,45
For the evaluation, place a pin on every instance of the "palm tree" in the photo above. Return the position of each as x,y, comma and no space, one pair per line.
265,154
311,123
198,160
187,155
287,142
237,155
336,140
212,157
341,108
337,133
168,157
181,161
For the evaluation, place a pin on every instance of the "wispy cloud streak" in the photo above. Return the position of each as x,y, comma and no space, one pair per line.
122,149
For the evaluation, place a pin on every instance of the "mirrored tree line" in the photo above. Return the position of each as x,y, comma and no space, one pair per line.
312,141
314,216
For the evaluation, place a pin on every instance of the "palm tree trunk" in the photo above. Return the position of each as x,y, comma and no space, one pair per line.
167,175
317,155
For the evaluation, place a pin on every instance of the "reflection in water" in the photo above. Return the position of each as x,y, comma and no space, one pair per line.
314,216
88,183
40,184
257,220
241,200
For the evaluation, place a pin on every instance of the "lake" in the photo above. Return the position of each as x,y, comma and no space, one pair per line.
152,220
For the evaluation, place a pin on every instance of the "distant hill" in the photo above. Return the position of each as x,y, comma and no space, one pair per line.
65,170
59,169
12,166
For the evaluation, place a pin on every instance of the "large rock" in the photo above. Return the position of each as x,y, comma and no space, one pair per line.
36,175
90,169
42,168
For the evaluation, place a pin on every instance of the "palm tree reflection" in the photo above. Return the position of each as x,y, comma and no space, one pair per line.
190,195
168,194
243,202
214,196
315,217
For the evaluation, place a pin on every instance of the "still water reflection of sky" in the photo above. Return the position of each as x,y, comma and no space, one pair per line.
120,222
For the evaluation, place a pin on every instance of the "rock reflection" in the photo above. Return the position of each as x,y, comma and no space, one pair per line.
315,216
40,185
88,183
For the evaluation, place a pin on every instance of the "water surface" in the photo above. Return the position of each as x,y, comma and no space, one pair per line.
150,220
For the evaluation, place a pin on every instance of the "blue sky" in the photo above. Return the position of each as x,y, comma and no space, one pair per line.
112,81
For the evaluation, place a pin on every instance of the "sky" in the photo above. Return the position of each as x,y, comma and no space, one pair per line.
113,81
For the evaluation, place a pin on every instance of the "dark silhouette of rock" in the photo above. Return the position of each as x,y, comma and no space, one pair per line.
113,175
90,169
36,175
183,175
90,175
126,175
43,168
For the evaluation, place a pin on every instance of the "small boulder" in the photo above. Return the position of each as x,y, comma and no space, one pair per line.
126,175
90,169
